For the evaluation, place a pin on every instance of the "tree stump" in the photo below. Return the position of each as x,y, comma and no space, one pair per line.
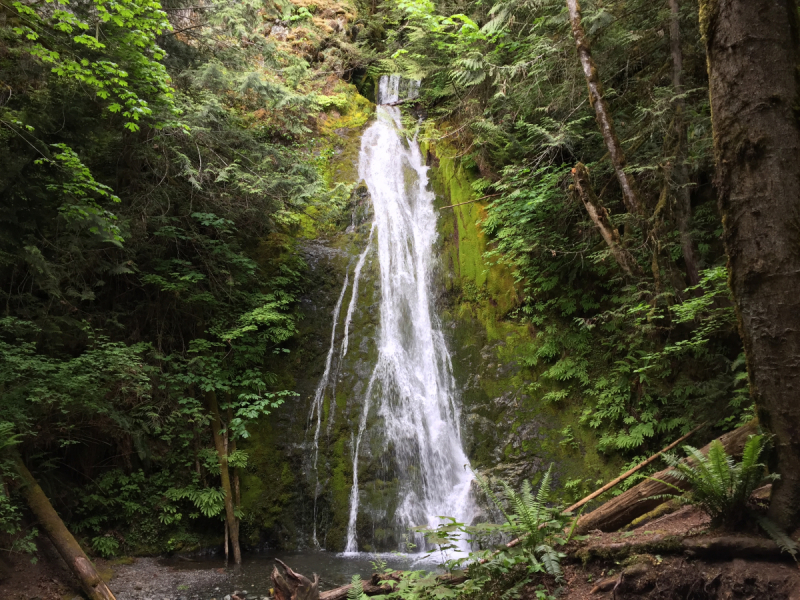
289,585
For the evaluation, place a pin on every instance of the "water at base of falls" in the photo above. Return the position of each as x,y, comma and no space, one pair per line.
411,395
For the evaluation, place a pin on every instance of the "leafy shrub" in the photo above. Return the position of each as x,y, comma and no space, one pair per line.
105,545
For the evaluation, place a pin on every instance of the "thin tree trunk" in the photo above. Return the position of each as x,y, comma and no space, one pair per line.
604,120
197,453
753,54
237,492
62,539
226,543
230,448
237,495
219,443
599,215
681,172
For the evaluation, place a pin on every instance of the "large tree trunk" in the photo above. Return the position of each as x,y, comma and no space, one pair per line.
62,539
222,453
643,498
600,217
604,120
753,54
680,173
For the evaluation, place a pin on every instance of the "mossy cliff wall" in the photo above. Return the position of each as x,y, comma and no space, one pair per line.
508,430
279,482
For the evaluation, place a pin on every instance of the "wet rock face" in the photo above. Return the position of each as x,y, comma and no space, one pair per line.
298,486
283,482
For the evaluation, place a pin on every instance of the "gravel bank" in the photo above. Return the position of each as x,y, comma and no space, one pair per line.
147,579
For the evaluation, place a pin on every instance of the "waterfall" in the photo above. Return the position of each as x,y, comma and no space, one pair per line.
393,88
325,380
354,297
316,404
411,390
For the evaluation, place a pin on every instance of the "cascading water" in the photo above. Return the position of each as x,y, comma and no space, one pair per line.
325,380
316,405
393,88
411,392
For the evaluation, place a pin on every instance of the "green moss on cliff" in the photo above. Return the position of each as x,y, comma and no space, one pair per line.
511,430
268,488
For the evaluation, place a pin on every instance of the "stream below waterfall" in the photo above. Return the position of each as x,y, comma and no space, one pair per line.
334,569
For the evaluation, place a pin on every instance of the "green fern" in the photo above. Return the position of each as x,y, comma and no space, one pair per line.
720,486
356,591
529,518
779,536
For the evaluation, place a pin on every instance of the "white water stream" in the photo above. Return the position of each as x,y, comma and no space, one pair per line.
411,389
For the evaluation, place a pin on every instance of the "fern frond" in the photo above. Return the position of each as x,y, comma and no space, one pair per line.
752,451
720,465
484,485
356,591
779,536
544,487
550,559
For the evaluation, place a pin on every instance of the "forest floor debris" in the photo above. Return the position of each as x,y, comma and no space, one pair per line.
654,561
659,578
648,562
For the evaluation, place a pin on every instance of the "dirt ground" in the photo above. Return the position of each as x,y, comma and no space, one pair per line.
47,579
664,572
677,578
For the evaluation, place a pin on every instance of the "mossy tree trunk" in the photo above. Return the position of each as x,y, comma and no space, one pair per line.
222,453
66,545
753,57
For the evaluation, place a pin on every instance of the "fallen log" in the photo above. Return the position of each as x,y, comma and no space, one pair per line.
66,545
370,589
642,498
705,546
627,474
